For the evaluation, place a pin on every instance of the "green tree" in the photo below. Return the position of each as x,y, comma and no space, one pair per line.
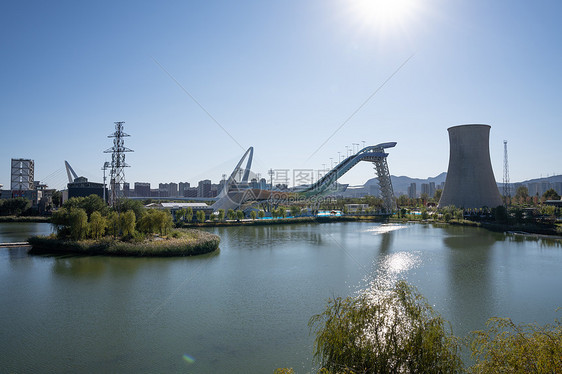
164,221
127,222
509,348
61,222
239,215
147,224
113,224
189,214
261,214
90,204
15,206
231,214
97,225
548,210
253,215
136,206
94,203
424,214
499,213
282,212
459,214
180,214
403,200
521,194
73,202
78,223
200,216
57,198
221,214
394,332
518,214
295,210
551,194
437,195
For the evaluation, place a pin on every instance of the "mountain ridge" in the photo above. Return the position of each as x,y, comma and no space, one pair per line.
401,183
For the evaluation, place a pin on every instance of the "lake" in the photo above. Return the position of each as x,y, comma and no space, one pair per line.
245,308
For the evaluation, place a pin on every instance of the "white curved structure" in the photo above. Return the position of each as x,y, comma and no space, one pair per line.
470,182
226,201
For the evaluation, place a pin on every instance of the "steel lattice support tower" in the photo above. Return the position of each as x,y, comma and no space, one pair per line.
385,184
117,174
506,186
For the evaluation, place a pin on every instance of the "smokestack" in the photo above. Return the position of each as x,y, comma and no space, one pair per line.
470,179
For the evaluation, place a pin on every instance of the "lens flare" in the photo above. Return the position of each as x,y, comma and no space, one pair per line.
187,358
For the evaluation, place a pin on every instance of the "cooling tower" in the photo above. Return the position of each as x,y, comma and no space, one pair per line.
470,179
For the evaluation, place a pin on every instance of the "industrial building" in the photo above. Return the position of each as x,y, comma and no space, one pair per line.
470,182
81,187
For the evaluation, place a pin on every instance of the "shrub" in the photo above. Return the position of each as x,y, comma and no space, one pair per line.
509,348
386,331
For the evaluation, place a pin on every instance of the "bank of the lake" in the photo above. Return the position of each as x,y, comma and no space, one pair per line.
37,219
553,231
286,221
550,230
186,243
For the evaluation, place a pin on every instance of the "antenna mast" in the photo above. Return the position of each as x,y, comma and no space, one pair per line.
117,174
506,187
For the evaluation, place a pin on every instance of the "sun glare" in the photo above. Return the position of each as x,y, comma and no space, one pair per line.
384,15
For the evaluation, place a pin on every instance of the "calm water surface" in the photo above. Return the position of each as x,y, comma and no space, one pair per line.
245,309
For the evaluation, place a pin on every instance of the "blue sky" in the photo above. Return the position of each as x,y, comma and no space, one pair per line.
281,76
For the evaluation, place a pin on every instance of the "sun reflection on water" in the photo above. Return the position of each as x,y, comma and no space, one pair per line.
389,269
384,228
392,318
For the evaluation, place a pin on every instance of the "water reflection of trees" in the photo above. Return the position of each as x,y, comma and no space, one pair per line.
543,242
98,266
92,266
258,237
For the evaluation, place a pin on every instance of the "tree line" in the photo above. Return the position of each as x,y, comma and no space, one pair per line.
90,218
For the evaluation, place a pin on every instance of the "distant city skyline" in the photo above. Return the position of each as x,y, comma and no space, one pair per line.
198,83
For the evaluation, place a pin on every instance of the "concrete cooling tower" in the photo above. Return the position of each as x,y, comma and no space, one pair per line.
470,179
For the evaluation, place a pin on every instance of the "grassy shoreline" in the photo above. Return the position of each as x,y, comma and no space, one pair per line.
39,219
285,221
527,228
190,243
532,229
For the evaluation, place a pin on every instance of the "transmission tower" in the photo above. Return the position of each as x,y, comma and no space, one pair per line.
506,187
117,174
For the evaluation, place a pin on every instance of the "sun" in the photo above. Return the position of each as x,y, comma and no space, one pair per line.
384,15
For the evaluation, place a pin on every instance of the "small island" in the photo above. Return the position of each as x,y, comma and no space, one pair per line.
87,226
